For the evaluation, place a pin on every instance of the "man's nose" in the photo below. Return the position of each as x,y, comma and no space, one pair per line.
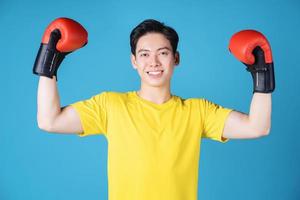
154,61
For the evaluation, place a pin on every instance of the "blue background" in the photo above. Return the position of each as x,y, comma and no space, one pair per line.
41,166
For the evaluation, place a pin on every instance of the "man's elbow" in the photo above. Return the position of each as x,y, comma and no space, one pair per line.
45,126
263,133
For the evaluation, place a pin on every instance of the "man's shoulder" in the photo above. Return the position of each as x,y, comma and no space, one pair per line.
117,94
192,102
190,99
112,96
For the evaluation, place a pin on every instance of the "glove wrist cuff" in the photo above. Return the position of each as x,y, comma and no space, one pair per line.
47,61
263,78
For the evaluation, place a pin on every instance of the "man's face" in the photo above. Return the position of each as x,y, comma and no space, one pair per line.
154,60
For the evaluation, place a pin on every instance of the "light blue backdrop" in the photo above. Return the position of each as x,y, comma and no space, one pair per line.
41,166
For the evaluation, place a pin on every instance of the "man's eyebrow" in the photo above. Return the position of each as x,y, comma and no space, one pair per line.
143,50
157,49
164,48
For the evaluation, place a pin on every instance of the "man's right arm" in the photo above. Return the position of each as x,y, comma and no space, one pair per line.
61,37
51,117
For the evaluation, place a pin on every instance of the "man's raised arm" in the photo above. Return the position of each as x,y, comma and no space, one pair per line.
61,37
253,49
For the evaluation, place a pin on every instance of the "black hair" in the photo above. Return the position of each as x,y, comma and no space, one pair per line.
153,26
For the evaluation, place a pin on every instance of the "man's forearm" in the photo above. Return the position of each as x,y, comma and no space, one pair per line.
47,101
260,112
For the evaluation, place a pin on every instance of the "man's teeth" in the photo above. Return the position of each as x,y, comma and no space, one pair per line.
155,73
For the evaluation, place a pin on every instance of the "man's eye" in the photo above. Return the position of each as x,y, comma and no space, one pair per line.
165,53
144,55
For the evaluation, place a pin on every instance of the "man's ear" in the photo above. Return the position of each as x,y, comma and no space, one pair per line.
133,61
177,58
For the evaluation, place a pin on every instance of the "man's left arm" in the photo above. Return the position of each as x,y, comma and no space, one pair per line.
253,49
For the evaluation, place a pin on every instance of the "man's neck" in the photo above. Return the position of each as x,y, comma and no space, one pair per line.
155,94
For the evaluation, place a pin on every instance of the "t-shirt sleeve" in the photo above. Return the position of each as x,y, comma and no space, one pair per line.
214,120
93,114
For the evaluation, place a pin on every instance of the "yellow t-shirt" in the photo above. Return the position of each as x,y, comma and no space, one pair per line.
153,149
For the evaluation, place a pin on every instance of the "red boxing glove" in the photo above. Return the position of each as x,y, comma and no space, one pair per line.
61,37
253,49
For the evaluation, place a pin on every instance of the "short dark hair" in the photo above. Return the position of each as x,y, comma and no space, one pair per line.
153,26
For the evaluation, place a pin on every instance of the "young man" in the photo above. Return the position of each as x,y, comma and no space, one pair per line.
153,136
